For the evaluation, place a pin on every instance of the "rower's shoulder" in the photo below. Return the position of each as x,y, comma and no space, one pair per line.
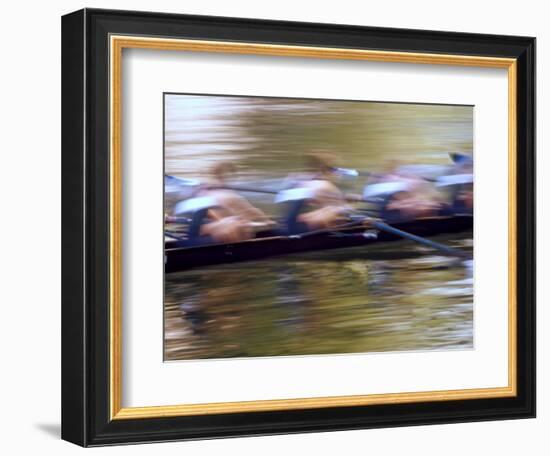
322,185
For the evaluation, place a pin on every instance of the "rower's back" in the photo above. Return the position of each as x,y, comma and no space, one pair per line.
232,218
230,203
220,215
324,192
324,205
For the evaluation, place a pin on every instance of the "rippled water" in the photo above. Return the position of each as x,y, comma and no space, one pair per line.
321,303
340,301
268,137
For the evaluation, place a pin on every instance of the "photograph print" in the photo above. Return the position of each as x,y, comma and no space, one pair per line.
297,227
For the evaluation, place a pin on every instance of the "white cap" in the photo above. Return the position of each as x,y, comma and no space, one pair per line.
293,194
455,179
385,188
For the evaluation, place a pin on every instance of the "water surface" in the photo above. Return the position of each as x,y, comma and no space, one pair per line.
321,303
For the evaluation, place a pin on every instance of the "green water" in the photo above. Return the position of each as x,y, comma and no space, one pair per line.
267,138
320,303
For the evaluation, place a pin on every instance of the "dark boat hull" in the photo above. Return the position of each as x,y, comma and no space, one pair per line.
183,258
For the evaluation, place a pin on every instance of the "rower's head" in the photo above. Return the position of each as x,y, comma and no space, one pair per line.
220,170
321,162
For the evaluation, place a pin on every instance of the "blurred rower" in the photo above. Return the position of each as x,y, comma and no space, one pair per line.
221,215
314,202
403,195
458,184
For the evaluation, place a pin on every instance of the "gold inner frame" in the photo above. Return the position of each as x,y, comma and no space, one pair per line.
117,44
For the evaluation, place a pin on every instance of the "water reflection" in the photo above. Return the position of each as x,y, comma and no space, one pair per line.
318,304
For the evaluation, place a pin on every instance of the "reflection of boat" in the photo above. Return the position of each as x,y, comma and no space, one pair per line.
266,244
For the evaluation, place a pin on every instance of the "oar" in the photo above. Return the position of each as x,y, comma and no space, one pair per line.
239,188
390,229
327,230
172,182
427,242
180,220
350,172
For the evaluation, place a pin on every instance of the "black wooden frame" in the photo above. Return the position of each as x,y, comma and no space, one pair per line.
85,223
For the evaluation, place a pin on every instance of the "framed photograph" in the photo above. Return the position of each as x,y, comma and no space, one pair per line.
278,227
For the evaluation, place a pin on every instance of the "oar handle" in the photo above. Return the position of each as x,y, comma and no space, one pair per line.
327,230
412,237
240,188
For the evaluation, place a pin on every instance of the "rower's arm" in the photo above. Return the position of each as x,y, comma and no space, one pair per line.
239,205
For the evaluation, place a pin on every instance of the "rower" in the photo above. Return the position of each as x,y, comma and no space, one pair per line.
314,202
383,196
461,192
458,184
400,196
219,215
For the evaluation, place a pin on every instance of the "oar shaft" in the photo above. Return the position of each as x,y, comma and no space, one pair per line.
412,237
327,230
239,188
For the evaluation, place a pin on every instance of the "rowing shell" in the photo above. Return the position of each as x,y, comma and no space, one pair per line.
267,244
